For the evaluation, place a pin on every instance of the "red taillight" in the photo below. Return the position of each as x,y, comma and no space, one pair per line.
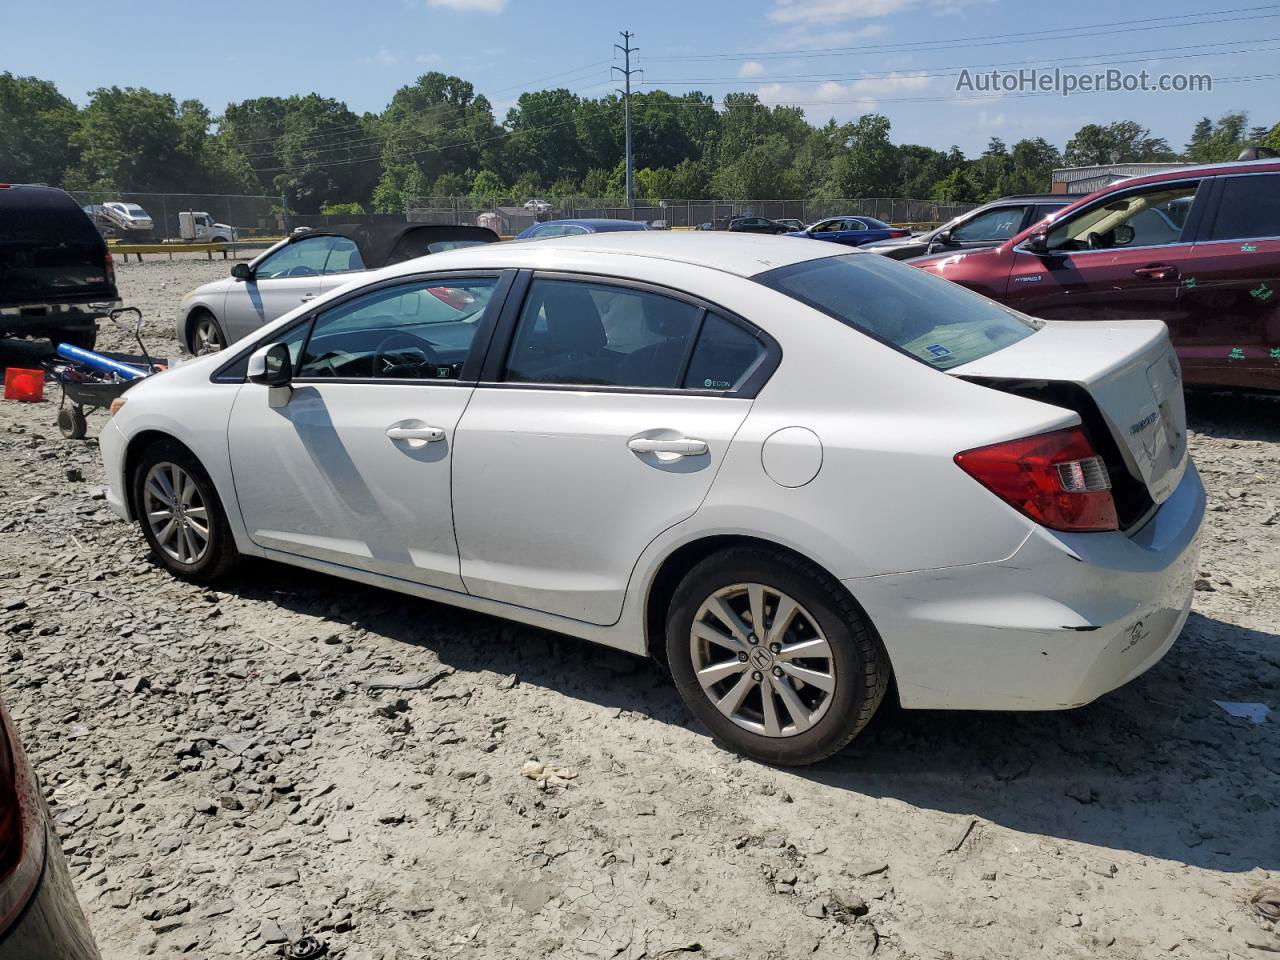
895,234
1056,479
110,266
455,297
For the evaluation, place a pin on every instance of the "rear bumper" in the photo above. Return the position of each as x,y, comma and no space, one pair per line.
39,317
52,924
1064,620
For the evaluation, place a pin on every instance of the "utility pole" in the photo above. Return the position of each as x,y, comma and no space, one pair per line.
626,72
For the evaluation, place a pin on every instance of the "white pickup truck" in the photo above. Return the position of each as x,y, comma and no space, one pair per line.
196,226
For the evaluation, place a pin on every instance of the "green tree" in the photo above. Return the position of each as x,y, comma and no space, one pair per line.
1121,142
869,167
36,124
1218,142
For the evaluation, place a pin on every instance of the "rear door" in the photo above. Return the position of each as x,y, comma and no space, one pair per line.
600,426
1228,321
1120,258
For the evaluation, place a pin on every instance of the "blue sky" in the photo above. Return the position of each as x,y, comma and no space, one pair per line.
898,57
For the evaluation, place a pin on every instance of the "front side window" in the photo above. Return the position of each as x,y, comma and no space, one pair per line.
602,335
1248,208
1153,216
999,224
306,258
922,315
417,331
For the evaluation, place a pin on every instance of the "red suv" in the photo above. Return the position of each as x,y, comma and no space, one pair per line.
1198,248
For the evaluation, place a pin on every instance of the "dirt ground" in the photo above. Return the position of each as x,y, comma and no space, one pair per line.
227,777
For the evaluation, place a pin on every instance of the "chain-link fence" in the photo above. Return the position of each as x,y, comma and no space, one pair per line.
507,216
250,216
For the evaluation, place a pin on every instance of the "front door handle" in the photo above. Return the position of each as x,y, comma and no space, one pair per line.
1157,271
423,434
308,296
684,447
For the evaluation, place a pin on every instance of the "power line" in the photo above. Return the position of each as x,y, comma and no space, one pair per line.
1030,36
974,68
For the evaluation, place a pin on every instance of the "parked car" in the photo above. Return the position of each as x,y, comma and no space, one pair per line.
1196,247
301,268
987,226
39,915
127,221
56,276
196,226
750,224
851,231
791,471
537,206
790,223
573,228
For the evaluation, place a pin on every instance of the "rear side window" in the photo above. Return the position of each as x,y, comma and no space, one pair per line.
1248,208
934,320
724,356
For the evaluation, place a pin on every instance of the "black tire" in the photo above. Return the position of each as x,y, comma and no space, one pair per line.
220,554
84,338
858,660
197,345
71,422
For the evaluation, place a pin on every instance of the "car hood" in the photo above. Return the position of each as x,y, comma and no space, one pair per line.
213,286
896,242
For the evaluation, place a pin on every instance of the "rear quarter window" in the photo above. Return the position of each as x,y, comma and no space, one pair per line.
933,320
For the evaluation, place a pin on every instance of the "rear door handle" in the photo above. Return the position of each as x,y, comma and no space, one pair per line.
423,434
1157,271
684,447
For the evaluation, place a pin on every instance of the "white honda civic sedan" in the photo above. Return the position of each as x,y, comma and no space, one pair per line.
796,474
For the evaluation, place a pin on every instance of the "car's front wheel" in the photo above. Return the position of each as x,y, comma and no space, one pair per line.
180,514
205,334
774,656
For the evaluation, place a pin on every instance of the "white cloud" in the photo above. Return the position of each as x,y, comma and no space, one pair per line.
846,99
833,11
428,58
751,68
800,38
383,58
468,6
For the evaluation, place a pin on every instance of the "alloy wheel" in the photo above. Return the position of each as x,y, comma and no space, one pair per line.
762,659
207,336
176,513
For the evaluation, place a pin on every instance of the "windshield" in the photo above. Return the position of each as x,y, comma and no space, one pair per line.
134,210
917,313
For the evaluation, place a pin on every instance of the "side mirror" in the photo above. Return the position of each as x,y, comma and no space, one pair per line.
1037,243
270,366
944,237
241,271
1122,235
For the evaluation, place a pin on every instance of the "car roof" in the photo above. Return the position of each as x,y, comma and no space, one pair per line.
598,223
378,241
744,255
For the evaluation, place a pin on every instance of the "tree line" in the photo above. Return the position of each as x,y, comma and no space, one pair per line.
438,137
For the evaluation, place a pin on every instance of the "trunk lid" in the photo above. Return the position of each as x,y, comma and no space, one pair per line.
50,252
1129,371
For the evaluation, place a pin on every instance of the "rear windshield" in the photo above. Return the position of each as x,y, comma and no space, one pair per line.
924,316
50,218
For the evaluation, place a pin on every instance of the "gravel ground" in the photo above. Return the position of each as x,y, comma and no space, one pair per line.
228,777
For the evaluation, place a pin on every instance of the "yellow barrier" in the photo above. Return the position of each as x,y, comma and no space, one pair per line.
138,249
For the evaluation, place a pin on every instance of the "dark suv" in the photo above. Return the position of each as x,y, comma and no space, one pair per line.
56,276
1197,247
986,226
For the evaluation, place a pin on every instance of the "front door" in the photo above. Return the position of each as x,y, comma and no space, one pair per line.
1228,330
281,281
1120,258
605,427
355,468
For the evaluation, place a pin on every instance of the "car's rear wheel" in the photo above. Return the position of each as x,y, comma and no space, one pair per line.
180,514
86,338
206,334
774,656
